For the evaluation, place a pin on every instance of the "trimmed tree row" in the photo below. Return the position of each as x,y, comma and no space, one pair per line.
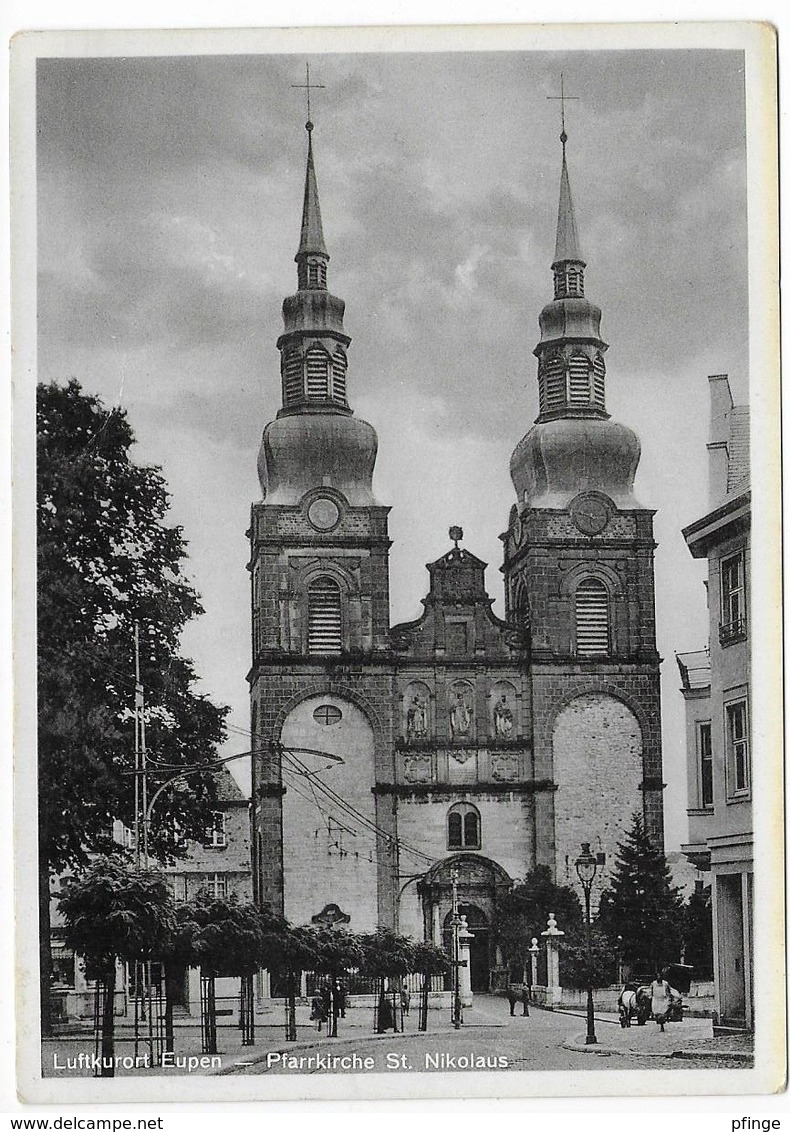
113,912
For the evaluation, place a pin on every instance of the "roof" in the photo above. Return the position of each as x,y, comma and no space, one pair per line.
228,790
694,669
567,246
311,241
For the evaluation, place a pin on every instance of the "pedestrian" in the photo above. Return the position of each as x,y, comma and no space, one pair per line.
317,1011
405,999
342,994
662,997
525,999
512,997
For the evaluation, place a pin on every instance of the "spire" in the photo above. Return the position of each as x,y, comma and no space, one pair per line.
567,246
312,236
571,369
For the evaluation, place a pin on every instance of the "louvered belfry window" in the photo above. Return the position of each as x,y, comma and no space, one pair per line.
324,620
592,618
579,379
317,374
552,387
599,382
339,376
292,377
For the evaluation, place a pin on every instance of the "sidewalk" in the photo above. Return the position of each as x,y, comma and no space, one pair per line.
691,1038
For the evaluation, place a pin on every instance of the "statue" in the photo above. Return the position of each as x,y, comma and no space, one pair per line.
503,719
416,719
460,715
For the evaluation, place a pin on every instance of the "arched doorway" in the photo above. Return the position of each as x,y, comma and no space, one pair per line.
480,959
480,883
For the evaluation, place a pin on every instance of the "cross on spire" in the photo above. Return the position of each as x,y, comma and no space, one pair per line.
562,98
308,86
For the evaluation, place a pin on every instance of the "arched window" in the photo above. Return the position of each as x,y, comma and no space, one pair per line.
317,374
592,617
463,827
324,621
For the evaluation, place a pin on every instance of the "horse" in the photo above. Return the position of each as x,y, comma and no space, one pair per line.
634,1002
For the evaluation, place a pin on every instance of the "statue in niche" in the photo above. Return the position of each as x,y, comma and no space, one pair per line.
416,719
460,714
503,719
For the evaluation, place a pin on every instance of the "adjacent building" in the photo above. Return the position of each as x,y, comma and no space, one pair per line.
715,686
395,760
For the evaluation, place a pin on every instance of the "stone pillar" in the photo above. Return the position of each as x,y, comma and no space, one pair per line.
553,935
464,971
533,961
436,928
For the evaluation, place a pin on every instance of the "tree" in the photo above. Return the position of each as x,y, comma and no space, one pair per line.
336,951
387,955
111,912
522,914
107,560
288,951
576,970
641,913
698,933
428,960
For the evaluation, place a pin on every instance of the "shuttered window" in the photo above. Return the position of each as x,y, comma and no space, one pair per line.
324,622
579,379
293,378
592,618
599,382
317,374
339,376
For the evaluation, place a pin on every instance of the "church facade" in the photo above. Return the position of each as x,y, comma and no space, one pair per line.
391,759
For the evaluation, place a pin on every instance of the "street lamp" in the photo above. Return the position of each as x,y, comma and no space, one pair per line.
456,1015
586,868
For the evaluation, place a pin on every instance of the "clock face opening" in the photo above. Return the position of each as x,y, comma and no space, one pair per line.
590,514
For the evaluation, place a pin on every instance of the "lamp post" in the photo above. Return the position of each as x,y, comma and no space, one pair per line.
586,868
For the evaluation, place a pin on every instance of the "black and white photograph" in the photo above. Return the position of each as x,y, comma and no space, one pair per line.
389,715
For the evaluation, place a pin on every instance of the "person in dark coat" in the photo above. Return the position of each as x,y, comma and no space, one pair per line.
512,997
525,1000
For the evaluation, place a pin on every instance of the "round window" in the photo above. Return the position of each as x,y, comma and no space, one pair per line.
327,714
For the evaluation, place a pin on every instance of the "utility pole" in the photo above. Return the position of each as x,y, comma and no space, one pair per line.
455,920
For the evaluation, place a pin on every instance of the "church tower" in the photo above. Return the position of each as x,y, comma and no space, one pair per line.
320,680
578,569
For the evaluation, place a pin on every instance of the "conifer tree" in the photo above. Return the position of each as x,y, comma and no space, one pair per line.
641,913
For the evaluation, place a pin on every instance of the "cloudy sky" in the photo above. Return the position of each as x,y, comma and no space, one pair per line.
169,197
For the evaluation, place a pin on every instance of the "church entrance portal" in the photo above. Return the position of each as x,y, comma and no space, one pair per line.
480,959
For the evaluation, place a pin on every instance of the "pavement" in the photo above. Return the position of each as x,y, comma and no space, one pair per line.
544,1040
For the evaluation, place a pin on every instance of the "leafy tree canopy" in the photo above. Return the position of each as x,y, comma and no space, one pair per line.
523,913
698,933
387,953
113,911
641,912
107,559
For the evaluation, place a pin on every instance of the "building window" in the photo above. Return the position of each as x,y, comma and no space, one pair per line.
736,733
463,827
327,715
217,836
733,599
705,765
217,886
324,622
599,381
592,617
